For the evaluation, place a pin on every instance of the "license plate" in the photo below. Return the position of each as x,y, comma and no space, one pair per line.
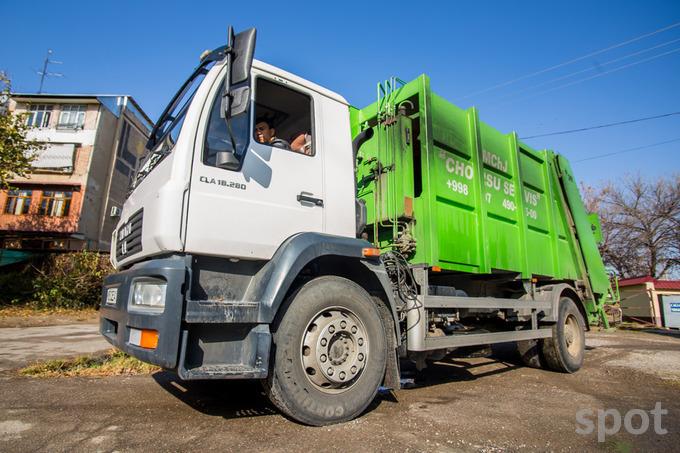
111,296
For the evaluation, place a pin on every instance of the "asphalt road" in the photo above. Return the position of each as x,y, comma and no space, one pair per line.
491,404
23,345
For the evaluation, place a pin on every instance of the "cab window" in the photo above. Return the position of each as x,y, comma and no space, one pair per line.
283,118
217,137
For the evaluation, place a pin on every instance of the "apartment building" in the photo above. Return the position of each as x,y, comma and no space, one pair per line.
93,145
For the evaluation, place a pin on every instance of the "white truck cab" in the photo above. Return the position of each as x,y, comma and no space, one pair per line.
222,225
192,205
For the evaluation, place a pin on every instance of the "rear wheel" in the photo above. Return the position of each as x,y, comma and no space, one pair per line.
329,357
565,351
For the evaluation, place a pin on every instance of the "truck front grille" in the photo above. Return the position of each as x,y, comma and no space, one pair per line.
129,237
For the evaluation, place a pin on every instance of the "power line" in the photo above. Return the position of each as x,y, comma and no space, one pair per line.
575,82
606,63
572,131
591,54
628,150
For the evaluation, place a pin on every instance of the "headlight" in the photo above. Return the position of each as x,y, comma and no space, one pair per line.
148,295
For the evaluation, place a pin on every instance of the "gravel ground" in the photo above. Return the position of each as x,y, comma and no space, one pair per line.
487,404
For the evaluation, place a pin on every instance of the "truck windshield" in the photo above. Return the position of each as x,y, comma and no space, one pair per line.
167,128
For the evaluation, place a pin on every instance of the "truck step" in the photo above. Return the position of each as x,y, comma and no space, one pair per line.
256,369
222,372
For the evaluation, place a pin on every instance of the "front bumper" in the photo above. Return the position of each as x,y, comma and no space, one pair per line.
116,320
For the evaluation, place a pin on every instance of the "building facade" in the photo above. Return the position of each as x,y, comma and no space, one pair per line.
93,145
651,300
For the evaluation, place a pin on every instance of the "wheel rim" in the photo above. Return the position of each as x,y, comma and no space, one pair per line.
334,349
573,336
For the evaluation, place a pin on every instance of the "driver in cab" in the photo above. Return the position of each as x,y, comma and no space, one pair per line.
266,134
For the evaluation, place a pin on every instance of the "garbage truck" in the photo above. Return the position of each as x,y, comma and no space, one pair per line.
275,232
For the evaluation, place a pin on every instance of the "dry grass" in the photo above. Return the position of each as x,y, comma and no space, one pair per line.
27,311
110,363
27,316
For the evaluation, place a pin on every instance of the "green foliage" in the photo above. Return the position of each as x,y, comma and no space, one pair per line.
70,280
64,280
16,153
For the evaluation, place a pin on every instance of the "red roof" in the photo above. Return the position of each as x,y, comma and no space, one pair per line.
658,284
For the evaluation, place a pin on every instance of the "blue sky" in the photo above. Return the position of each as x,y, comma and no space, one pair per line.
146,49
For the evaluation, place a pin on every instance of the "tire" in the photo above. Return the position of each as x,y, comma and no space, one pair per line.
329,353
565,350
530,353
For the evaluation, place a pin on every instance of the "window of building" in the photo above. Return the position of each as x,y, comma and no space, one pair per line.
55,158
18,202
124,151
55,204
72,116
130,149
39,115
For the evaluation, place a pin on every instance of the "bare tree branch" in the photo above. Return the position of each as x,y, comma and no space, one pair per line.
640,225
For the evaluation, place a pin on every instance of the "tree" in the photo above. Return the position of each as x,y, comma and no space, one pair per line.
640,225
16,153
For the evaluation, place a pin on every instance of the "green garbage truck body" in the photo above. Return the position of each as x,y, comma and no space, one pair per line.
448,190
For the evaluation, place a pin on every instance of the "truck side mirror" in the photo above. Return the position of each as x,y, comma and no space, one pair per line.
242,60
240,98
227,160
236,90
239,61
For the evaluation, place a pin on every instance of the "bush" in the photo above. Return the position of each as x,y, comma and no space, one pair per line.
65,280
16,283
70,280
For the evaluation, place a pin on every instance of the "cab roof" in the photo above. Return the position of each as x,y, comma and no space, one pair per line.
273,70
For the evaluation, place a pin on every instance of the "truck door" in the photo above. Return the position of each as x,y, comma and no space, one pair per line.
278,189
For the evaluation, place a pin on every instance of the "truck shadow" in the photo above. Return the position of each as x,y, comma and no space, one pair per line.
245,398
504,358
221,398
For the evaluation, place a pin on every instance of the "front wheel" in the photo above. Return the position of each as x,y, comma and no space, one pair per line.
329,357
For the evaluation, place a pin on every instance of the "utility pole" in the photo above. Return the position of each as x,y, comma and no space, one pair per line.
44,72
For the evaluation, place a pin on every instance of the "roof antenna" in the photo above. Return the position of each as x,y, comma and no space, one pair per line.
44,73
